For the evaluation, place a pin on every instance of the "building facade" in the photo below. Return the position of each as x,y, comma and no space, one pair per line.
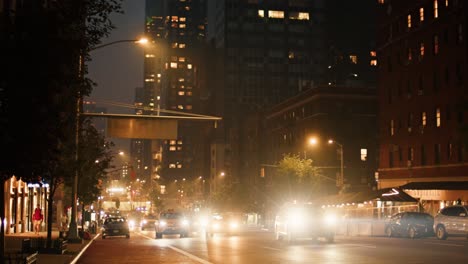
423,92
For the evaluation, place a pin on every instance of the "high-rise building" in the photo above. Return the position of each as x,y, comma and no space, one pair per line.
175,84
423,89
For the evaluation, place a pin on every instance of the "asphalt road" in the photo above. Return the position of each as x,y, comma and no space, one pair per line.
260,247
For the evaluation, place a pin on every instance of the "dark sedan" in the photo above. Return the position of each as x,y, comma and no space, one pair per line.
115,226
410,224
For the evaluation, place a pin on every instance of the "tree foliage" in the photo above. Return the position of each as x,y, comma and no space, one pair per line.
296,179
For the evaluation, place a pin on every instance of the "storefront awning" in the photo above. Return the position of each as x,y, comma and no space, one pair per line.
440,185
387,194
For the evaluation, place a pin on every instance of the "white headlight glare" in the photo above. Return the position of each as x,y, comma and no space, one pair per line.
162,223
185,222
233,225
144,221
330,219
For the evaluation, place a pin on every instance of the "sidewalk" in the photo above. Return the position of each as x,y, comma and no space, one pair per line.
73,252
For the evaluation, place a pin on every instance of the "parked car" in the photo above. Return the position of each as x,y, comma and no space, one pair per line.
224,223
410,224
148,222
451,221
115,226
302,221
171,223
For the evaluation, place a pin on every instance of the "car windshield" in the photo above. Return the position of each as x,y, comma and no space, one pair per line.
114,220
171,215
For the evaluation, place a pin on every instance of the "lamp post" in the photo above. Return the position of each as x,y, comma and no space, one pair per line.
331,141
73,236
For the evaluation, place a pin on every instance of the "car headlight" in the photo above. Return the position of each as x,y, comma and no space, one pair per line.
296,217
330,219
131,223
185,222
233,225
204,222
162,223
216,226
144,221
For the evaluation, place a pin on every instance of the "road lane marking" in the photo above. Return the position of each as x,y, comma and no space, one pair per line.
83,250
360,245
277,249
442,244
193,257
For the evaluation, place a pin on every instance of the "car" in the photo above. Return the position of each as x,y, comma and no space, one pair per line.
115,226
148,222
172,223
410,224
225,223
302,221
451,221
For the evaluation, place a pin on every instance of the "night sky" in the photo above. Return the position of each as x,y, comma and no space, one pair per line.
118,69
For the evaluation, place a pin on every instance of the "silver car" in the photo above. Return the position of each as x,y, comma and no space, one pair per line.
451,221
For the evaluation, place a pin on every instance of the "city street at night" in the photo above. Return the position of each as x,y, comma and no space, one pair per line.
261,247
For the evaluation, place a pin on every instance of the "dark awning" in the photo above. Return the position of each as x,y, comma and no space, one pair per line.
387,194
440,185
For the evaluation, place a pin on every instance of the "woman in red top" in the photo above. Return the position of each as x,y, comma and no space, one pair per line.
37,219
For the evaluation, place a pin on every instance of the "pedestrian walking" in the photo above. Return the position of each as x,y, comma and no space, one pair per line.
37,219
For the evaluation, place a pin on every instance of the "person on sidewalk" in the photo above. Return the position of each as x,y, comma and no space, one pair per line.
37,219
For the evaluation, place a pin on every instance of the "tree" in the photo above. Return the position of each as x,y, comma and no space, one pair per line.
296,179
42,44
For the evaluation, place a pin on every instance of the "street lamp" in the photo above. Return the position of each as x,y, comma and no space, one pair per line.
310,142
331,141
73,230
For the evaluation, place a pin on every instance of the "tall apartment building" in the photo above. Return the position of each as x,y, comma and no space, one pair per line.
423,92
175,84
274,50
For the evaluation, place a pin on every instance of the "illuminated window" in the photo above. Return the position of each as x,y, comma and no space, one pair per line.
437,117
423,119
421,14
174,18
189,66
172,148
149,80
353,59
189,93
174,45
299,15
410,54
172,166
174,65
373,62
392,127
182,59
179,142
181,107
179,166
188,107
436,45
182,19
381,2
446,2
181,93
181,25
410,122
363,154
261,13
421,49
436,8
181,79
149,55
172,142
459,33
410,154
182,46
373,53
275,14
409,21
